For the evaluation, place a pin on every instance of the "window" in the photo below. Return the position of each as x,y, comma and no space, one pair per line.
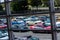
23,18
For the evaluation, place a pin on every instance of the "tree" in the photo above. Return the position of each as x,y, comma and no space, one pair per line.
57,3
45,3
19,5
1,8
36,2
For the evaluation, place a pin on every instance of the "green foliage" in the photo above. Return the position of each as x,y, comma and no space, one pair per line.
23,5
57,2
1,8
36,2
45,3
19,6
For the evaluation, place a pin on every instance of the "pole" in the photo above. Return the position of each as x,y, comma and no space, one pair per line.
53,19
8,11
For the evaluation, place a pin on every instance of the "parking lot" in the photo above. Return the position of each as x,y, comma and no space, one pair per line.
41,36
32,22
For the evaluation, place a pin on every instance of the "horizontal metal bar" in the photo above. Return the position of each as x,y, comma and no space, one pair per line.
30,30
29,12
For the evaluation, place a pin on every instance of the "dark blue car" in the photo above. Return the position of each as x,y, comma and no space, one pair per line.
19,24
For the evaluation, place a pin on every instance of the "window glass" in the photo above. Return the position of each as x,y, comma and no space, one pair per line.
26,6
39,22
3,29
58,21
31,22
57,5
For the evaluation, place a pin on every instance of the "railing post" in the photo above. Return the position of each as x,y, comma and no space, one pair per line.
53,19
8,11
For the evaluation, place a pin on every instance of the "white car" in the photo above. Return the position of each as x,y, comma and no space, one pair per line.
57,24
33,22
4,38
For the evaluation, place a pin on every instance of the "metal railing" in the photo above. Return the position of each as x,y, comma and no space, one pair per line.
51,13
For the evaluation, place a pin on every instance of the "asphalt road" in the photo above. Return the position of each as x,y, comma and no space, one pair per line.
41,36
38,35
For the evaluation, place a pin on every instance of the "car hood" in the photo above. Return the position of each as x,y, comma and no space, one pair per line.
4,38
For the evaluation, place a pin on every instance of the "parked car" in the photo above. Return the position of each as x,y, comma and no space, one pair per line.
4,38
38,26
47,28
19,25
3,20
49,24
43,18
3,35
2,25
31,18
30,22
58,24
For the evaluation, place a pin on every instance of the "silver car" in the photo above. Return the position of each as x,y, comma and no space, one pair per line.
3,35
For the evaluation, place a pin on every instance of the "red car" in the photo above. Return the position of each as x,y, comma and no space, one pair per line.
3,26
47,28
40,26
37,26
